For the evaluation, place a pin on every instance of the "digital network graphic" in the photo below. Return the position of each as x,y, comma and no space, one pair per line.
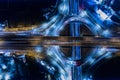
59,39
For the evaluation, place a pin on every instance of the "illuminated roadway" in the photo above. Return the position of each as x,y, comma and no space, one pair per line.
20,42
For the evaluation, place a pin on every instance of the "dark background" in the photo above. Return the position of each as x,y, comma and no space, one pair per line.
25,12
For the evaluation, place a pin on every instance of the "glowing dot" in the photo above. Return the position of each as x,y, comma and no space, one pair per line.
4,66
7,77
38,49
1,76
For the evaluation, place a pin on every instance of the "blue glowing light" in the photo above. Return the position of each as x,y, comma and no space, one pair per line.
106,33
38,49
102,14
7,77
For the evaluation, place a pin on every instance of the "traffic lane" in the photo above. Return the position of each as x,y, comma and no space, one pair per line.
31,44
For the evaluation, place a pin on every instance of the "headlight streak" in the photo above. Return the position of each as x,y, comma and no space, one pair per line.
44,28
98,30
104,11
59,61
98,54
102,15
58,23
95,28
99,18
64,8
